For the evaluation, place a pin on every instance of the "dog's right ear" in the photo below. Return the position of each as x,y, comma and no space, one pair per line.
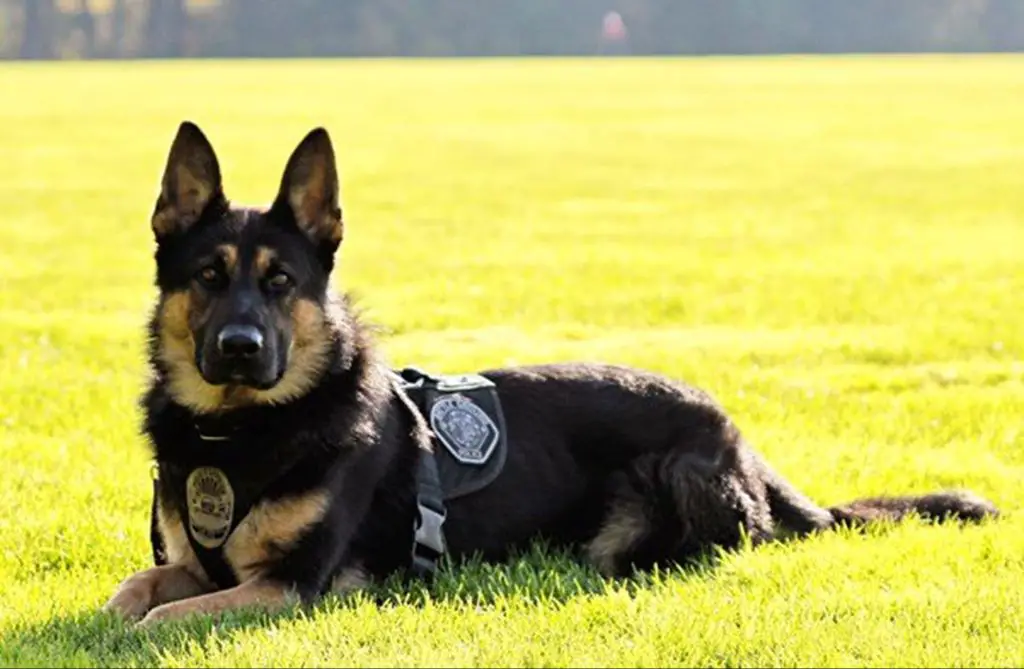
191,181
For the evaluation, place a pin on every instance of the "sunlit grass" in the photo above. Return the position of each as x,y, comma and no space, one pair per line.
832,247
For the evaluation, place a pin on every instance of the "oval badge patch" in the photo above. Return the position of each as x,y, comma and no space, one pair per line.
464,428
211,505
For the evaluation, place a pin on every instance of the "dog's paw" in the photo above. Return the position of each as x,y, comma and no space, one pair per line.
155,616
131,601
168,612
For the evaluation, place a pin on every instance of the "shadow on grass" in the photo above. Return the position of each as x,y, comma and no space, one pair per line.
540,576
92,638
85,639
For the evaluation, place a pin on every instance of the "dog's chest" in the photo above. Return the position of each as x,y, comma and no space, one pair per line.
224,524
214,512
266,530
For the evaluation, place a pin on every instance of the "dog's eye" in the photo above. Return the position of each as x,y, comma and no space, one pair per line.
210,276
278,280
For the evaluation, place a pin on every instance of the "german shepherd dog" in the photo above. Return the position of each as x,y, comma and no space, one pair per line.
262,371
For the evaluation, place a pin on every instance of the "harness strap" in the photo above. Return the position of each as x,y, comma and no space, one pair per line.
212,559
428,545
155,539
428,538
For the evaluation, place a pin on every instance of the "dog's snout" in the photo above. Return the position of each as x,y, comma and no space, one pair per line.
240,341
241,353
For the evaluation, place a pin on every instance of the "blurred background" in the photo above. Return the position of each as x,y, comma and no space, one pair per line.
104,29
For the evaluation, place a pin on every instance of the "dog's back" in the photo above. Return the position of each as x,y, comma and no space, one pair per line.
640,469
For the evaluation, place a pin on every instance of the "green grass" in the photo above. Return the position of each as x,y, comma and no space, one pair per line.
833,247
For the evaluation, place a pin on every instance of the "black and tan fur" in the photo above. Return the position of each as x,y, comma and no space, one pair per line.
633,468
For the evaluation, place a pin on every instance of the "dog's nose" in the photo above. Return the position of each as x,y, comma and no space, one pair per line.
240,341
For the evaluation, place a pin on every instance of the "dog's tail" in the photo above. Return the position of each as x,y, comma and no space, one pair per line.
796,512
942,506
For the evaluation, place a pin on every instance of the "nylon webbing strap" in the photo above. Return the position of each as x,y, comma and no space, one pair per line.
428,539
155,540
428,546
213,561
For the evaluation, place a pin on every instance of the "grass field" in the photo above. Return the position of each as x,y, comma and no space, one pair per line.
833,247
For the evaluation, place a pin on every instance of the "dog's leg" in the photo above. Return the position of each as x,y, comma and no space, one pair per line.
668,508
155,586
350,579
265,594
625,526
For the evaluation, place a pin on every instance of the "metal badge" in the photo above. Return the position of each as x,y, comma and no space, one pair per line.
464,428
211,504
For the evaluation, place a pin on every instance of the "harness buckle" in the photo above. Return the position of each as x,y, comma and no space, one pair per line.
428,546
428,529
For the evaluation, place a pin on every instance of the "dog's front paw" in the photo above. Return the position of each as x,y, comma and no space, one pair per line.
132,600
168,612
156,615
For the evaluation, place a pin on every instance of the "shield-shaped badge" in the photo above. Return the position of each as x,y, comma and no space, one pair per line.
464,428
211,504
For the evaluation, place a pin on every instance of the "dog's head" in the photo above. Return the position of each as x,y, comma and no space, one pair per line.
241,316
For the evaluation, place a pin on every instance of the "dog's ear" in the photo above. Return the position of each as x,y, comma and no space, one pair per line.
309,189
191,181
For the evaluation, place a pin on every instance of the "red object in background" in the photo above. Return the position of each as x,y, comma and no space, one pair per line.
614,26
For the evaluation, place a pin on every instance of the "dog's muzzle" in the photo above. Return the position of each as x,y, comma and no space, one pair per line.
241,354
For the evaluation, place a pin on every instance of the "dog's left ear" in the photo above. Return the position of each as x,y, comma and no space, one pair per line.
309,188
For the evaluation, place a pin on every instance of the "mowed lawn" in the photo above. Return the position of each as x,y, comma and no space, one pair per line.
833,247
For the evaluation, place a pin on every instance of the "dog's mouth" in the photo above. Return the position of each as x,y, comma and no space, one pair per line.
255,375
256,383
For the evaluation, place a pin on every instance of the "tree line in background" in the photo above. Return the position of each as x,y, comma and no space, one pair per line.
73,29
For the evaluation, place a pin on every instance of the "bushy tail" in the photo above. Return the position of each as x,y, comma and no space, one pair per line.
946,505
798,513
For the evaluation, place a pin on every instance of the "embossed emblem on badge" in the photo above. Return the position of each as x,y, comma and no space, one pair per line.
464,428
211,503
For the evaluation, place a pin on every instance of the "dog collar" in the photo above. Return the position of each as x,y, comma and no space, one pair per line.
205,436
216,428
212,437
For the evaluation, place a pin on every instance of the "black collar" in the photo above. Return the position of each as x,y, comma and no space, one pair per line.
229,425
217,427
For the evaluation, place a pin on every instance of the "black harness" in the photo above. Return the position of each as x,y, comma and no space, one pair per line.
464,415
467,427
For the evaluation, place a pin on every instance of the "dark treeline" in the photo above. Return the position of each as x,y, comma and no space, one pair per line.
53,29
